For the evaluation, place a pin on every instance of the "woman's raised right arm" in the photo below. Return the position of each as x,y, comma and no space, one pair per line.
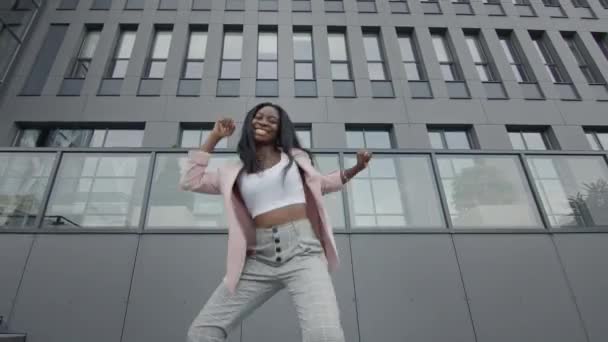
195,175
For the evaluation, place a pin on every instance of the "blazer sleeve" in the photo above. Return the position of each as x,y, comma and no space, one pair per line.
196,176
330,182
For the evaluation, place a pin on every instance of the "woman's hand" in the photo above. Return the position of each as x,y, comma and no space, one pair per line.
363,158
223,128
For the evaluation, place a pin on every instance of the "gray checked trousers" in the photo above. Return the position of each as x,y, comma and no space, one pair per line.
286,256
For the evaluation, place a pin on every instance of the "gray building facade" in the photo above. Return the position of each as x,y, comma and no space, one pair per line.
482,217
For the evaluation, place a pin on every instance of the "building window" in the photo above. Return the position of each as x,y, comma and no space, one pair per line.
554,8
230,68
267,83
375,59
195,57
334,6
604,3
519,65
483,64
412,63
447,62
268,5
235,5
598,140
66,137
600,39
549,58
101,4
122,54
167,5
366,6
450,138
304,66
134,4
68,4
201,5
304,135
301,6
341,73
585,62
368,138
44,60
82,61
157,62
195,137
399,6
526,139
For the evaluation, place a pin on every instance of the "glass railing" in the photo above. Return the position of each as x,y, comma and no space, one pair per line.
434,190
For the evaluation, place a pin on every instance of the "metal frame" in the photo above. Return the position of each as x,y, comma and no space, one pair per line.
40,228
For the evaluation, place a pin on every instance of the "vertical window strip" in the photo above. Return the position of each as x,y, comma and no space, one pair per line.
516,60
231,55
304,65
195,56
82,61
584,61
480,58
447,63
159,53
339,56
267,55
375,59
549,59
122,54
414,69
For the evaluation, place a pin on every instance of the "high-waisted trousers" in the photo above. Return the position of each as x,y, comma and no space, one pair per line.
285,256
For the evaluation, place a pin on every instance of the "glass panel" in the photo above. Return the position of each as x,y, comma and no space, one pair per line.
372,47
446,71
337,47
69,138
162,43
377,139
411,71
488,191
395,191
302,46
28,138
157,69
124,138
603,138
472,44
516,141
120,69
457,140
99,136
194,70
592,142
89,44
407,51
231,70
233,44
125,46
333,202
198,45
436,140
267,70
534,140
376,71
339,71
440,49
223,143
573,189
23,180
483,72
354,139
191,138
305,137
267,45
98,190
169,207
304,71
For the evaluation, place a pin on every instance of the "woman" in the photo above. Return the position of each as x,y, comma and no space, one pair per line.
278,232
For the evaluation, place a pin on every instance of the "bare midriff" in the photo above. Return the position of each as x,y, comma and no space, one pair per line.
281,215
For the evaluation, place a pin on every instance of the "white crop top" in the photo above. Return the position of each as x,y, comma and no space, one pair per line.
265,190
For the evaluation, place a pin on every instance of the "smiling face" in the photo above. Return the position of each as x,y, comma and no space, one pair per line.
265,124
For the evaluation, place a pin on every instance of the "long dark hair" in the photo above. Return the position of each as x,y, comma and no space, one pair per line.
286,139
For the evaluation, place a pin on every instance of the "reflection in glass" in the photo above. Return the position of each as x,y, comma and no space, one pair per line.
394,191
98,190
488,191
573,189
23,179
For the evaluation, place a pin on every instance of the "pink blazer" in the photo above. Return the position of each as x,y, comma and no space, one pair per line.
241,230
